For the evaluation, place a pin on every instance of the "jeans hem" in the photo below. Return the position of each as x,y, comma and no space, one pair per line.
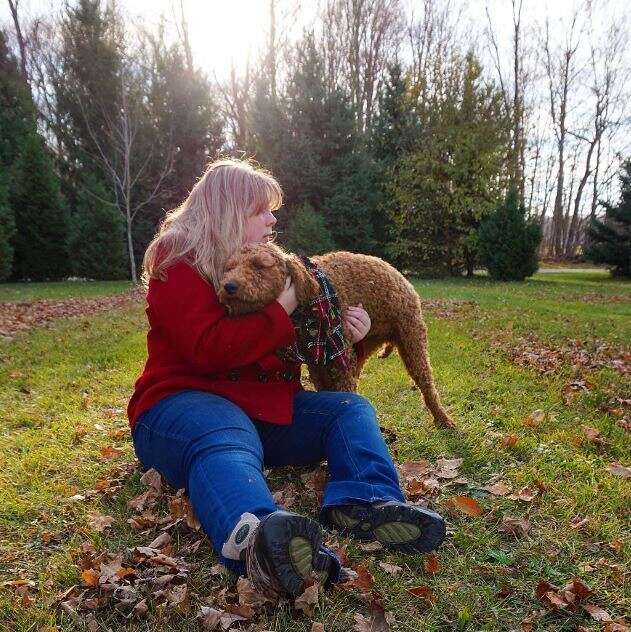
346,492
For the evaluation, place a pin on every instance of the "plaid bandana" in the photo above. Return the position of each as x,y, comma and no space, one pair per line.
320,339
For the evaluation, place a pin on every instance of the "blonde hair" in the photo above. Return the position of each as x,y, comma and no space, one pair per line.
209,226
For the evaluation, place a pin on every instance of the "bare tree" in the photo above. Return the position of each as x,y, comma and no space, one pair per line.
561,75
14,6
360,38
608,93
514,89
236,94
433,40
124,162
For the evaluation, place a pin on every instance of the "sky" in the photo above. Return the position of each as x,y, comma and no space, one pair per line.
225,32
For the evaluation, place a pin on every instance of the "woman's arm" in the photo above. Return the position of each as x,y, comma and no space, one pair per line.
186,310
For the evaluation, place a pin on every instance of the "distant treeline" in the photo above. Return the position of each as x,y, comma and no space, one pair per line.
105,125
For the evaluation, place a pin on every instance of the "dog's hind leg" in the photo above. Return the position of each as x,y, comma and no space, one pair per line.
412,346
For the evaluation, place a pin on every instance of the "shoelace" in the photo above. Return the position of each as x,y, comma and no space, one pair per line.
261,581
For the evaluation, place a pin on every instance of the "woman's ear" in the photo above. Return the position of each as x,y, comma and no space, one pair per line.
307,288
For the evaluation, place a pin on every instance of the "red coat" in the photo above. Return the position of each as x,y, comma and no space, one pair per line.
193,344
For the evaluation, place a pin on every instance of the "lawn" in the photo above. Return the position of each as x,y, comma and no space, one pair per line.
64,388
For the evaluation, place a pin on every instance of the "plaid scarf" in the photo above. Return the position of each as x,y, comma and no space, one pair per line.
319,335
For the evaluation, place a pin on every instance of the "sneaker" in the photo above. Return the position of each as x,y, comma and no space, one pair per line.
397,525
283,551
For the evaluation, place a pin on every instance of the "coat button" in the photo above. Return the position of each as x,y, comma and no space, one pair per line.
288,376
234,375
263,377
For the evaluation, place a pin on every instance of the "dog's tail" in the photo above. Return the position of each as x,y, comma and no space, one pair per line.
412,346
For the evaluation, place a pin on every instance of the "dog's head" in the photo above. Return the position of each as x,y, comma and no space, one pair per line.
255,276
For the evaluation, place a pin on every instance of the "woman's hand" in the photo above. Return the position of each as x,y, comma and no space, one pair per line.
358,322
287,298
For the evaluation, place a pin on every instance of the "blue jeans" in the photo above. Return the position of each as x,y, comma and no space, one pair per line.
209,446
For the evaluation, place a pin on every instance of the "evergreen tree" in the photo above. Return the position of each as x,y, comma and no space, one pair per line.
32,219
452,179
395,133
87,89
610,239
16,118
7,230
308,234
96,237
40,215
353,208
508,242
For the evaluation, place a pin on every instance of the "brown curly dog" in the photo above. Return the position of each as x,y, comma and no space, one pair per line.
256,275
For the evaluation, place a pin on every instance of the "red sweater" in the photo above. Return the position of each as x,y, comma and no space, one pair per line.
193,344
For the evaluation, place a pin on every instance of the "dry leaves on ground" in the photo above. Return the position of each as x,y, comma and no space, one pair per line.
593,355
16,317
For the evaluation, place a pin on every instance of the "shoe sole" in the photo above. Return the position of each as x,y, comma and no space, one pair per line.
405,528
292,553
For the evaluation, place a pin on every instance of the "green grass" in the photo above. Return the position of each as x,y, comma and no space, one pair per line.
17,292
56,384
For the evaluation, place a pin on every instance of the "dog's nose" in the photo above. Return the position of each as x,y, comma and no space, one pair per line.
231,287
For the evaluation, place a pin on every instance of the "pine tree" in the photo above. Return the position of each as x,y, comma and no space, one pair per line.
610,239
7,230
40,215
16,119
508,242
96,237
452,179
308,234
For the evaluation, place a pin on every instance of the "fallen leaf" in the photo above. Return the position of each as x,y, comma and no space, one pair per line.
371,547
578,523
317,627
249,596
619,470
308,601
535,418
391,569
515,526
414,469
363,580
510,441
525,494
466,505
100,522
498,489
431,564
110,452
90,577
209,617
152,478
422,592
597,613
162,540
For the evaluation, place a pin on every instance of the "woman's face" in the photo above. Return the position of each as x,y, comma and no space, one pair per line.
259,227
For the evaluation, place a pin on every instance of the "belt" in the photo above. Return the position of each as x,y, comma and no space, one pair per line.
262,376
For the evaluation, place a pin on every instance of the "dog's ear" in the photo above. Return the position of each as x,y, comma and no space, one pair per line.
264,260
307,287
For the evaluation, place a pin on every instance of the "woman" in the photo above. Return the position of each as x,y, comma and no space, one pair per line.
215,404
